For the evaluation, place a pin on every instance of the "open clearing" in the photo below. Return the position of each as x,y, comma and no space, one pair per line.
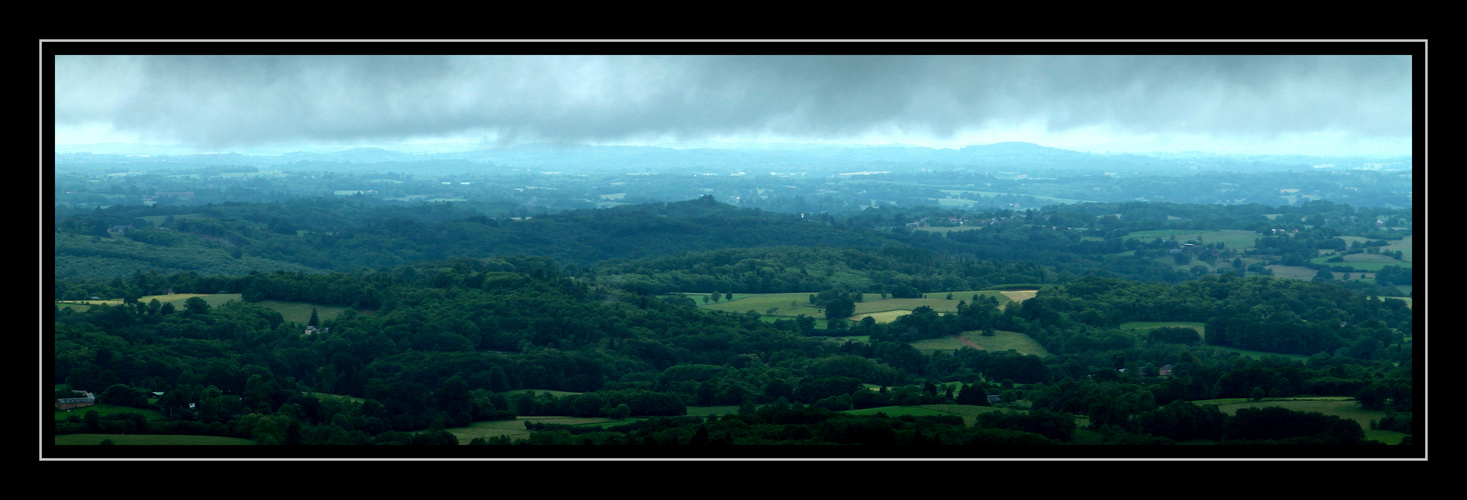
882,317
1342,407
1003,340
300,312
514,429
1230,238
773,306
1145,326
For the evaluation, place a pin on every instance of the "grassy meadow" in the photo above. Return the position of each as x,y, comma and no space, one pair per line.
298,312
1231,238
775,306
1004,340
1343,407
177,299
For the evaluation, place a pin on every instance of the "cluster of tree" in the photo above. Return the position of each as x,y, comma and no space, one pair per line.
459,341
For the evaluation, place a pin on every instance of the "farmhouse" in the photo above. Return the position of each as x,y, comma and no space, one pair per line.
69,403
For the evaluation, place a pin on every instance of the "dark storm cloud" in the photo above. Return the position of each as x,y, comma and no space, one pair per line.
241,100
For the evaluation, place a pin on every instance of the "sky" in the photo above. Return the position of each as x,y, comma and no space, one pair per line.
1246,104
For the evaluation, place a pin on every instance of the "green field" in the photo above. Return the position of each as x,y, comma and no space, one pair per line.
514,429
1231,238
149,439
1004,340
1343,407
968,412
107,410
883,316
945,230
1143,326
177,299
300,312
775,306
1363,262
945,344
1293,272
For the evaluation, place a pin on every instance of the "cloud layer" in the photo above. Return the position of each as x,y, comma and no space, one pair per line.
241,101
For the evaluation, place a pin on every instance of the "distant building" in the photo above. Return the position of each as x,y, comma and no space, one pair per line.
69,403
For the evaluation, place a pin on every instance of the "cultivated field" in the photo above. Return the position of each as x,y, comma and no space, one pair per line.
514,429
773,306
1004,340
884,316
968,412
1231,238
177,299
300,312
945,344
1144,326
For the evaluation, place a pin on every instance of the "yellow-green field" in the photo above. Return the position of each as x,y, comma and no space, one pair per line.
794,304
514,429
1003,340
882,317
177,299
298,312
1019,295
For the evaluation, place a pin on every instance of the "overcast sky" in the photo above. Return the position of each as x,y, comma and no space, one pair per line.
1321,105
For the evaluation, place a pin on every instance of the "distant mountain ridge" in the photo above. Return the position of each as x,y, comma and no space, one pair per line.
790,158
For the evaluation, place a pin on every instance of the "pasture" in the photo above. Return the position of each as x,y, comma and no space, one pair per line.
514,429
149,439
1144,326
883,316
1343,407
775,306
1363,262
1004,340
945,230
1293,272
300,312
968,412
1230,238
945,344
